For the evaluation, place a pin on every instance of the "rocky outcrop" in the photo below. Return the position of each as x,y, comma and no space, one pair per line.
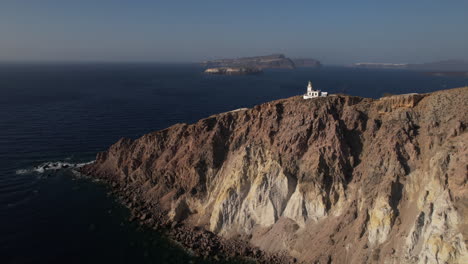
275,61
233,71
394,102
336,179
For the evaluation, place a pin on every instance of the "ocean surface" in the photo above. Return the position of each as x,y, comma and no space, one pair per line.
60,114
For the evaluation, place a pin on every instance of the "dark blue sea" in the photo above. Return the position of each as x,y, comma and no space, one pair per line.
68,112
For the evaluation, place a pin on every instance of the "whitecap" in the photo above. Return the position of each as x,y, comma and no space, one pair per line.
53,166
24,171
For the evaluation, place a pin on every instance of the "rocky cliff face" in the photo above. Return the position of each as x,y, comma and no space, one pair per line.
337,179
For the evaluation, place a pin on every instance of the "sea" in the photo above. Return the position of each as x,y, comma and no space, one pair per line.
54,117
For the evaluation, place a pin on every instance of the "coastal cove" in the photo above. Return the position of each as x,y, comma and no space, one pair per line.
68,113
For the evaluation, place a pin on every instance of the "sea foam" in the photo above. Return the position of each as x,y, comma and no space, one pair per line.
53,166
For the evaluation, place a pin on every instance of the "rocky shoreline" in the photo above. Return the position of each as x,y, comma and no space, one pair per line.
199,242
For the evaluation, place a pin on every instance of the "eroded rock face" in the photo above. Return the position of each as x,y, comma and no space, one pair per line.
336,179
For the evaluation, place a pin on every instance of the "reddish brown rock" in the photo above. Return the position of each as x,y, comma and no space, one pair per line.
336,179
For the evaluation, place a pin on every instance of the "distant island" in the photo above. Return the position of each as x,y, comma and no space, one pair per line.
233,70
307,63
439,66
274,61
446,66
448,73
380,65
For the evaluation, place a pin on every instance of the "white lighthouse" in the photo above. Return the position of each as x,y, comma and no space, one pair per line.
311,93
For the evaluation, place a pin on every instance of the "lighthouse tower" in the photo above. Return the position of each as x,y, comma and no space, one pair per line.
311,93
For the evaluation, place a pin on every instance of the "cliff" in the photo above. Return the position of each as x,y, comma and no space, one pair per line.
275,61
338,179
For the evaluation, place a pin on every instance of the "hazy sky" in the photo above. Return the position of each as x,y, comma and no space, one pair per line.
149,30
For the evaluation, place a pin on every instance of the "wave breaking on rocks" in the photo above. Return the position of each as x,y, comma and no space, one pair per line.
53,166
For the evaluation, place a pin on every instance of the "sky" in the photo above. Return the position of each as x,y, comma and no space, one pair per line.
335,32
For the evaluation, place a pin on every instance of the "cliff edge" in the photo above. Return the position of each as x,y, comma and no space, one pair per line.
337,179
